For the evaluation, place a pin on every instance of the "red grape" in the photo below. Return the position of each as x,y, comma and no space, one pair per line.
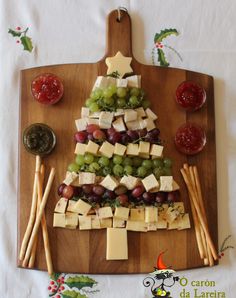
98,190
77,191
94,199
125,139
60,189
138,191
123,199
148,197
160,197
109,194
172,196
92,127
90,137
98,134
87,189
110,131
80,136
68,192
114,138
133,134
121,190
142,132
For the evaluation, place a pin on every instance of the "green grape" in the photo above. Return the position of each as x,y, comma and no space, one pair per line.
118,170
141,172
73,167
107,93
121,92
93,95
149,172
109,101
98,93
93,167
127,161
158,172
104,161
117,159
106,171
167,162
94,107
133,100
113,89
167,171
134,91
147,163
137,161
128,170
145,104
88,158
88,102
158,163
121,102
79,160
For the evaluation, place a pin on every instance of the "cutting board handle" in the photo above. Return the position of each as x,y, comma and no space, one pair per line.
119,33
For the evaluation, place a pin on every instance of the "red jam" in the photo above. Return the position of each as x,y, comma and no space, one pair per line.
190,96
190,138
47,88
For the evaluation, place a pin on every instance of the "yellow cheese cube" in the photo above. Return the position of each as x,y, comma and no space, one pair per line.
118,223
150,182
118,124
129,181
150,114
107,149
137,214
117,244
134,81
130,115
86,178
81,207
133,125
166,183
85,222
92,147
151,214
156,150
80,148
149,124
119,112
95,222
137,226
152,226
59,220
122,213
144,148
184,222
162,223
81,124
141,112
132,149
71,205
71,220
109,182
105,223
70,178
174,224
119,149
104,212
171,214
179,206
145,156
175,185
105,119
142,123
61,205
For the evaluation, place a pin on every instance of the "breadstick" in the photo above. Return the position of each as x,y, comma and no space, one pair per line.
32,212
39,216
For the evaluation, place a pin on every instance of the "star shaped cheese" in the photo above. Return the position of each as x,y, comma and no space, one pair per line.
119,63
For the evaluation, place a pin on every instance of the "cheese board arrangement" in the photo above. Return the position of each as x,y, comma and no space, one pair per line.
139,176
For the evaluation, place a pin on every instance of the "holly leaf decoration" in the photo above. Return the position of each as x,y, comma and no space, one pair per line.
14,33
27,43
165,33
162,58
72,294
55,276
80,282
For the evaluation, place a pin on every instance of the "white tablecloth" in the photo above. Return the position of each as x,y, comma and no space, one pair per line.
74,31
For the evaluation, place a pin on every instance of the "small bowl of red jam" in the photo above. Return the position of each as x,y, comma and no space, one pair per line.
47,88
190,96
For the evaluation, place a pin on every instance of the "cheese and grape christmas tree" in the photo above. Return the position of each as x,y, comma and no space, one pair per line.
120,179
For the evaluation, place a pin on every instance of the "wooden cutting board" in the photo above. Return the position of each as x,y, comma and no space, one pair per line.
84,251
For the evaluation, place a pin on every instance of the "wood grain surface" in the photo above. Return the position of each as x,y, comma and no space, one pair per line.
84,251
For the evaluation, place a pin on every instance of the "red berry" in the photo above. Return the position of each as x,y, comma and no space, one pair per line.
54,286
18,28
222,254
58,296
63,278
91,128
49,288
17,41
219,257
62,288
52,282
58,280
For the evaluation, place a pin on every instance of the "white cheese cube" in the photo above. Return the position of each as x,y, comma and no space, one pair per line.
109,182
81,207
101,82
137,226
119,112
71,205
105,223
107,149
184,222
94,115
134,81
132,149
86,178
142,123
70,178
104,212
84,112
150,182
81,124
61,205
118,223
95,222
105,119
92,147
122,213
144,148
85,222
92,121
150,114
156,150
166,183
71,220
175,185
119,149
111,81
151,214
80,148
118,124
130,115
149,124
133,125
141,112
129,181
59,220
121,83
137,214
117,244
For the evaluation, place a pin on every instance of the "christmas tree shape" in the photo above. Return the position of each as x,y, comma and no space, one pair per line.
120,179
